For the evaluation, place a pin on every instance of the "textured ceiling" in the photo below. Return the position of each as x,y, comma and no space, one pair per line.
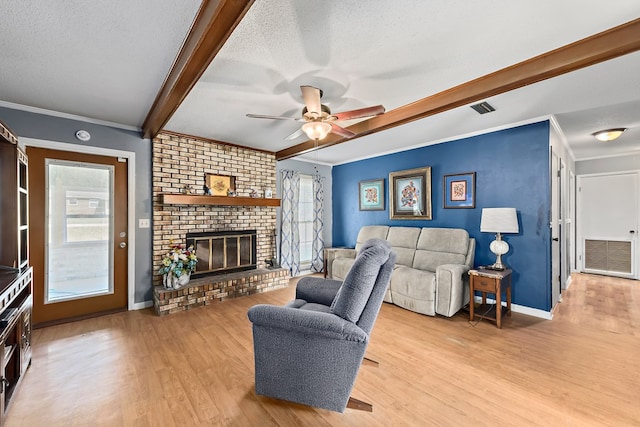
390,53
108,60
104,60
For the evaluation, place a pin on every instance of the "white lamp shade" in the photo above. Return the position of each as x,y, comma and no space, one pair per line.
499,220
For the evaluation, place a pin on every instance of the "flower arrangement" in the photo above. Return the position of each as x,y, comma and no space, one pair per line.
179,261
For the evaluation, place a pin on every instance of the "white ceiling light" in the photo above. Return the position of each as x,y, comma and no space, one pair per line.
316,130
608,134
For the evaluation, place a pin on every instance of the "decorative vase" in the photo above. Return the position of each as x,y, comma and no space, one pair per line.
170,281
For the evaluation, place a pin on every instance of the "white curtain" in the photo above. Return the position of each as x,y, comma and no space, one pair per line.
317,248
289,234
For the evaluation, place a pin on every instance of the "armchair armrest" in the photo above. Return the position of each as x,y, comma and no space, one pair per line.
306,322
317,290
332,253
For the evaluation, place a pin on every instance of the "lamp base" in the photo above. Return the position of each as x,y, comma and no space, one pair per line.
495,267
499,247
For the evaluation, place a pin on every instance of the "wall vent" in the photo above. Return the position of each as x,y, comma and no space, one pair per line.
483,108
608,255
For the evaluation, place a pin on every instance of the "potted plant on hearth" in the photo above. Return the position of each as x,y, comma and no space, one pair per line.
177,266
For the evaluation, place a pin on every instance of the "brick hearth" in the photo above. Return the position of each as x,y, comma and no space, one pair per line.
212,289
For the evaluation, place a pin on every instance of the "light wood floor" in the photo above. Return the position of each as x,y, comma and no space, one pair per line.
196,368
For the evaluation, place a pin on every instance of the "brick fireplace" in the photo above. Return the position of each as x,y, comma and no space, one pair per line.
179,161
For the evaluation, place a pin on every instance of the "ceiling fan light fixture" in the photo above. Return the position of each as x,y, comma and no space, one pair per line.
608,134
316,130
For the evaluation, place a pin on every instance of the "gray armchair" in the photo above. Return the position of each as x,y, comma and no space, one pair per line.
310,350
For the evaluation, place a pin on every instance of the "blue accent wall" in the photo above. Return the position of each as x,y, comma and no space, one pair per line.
512,170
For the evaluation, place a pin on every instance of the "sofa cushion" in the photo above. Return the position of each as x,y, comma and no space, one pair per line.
301,304
437,246
356,288
430,260
413,289
371,232
403,241
453,240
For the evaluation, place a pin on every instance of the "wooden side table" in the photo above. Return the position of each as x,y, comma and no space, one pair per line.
493,282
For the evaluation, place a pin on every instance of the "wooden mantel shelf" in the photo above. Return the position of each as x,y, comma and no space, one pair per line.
192,199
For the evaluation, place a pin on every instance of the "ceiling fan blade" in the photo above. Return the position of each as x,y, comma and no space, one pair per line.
262,116
360,113
311,96
338,130
294,135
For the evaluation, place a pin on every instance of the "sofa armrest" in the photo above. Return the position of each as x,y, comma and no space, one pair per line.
317,290
451,292
332,253
316,323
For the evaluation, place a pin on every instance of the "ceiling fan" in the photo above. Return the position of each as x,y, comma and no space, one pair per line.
319,121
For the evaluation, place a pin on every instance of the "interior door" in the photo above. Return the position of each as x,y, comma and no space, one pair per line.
556,229
78,217
607,220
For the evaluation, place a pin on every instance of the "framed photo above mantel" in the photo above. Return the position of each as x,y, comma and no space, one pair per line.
220,185
410,194
459,191
372,195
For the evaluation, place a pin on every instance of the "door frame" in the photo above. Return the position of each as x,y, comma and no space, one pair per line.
131,215
635,250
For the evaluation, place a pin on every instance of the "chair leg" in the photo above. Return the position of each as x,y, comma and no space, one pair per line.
359,405
370,362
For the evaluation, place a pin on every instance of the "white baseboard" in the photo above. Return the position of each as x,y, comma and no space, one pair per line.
523,309
141,305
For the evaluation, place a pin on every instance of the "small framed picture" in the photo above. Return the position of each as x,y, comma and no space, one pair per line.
372,195
220,185
267,193
460,191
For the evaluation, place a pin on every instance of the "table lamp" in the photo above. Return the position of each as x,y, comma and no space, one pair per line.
499,220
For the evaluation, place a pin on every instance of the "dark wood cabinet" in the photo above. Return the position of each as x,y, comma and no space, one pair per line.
14,211
16,276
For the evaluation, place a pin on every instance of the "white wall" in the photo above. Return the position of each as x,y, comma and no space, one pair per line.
609,164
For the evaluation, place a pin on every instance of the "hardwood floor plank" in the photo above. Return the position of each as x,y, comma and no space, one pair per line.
196,368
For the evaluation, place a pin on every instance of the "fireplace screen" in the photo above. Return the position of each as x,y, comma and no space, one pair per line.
223,251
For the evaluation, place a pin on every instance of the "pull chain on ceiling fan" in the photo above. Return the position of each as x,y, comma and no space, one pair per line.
319,121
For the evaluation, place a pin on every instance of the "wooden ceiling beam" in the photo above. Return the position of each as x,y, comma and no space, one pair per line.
211,28
609,44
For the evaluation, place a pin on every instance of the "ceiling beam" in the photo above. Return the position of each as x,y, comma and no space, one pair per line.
211,28
609,44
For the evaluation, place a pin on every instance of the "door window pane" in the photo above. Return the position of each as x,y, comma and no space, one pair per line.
79,253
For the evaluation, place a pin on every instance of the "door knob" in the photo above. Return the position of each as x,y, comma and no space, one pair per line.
123,245
632,231
555,239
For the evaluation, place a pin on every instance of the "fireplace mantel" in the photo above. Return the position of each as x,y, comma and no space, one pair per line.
193,199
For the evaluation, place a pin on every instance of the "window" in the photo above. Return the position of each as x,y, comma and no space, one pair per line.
305,220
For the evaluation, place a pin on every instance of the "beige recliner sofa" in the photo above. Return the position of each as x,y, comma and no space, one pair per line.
431,266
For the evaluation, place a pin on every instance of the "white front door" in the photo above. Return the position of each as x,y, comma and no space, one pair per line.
607,223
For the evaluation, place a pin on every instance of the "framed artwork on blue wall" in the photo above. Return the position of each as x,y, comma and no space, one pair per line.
372,195
460,191
410,194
